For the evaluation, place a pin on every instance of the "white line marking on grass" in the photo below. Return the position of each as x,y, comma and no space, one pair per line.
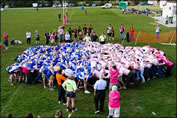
10,99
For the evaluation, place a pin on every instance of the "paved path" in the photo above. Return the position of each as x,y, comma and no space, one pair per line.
162,20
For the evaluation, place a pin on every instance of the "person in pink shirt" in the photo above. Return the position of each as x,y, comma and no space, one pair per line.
114,74
5,36
114,103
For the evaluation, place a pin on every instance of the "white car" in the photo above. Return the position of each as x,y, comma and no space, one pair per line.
107,5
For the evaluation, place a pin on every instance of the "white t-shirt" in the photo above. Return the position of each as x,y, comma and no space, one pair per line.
28,34
157,29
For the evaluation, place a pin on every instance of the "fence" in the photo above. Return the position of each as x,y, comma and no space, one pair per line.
142,37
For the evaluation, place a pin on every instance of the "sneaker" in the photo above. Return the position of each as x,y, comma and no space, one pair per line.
12,84
87,92
59,102
97,111
148,79
124,87
64,104
74,110
51,89
81,87
67,109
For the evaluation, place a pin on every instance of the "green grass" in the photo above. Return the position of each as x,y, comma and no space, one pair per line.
157,95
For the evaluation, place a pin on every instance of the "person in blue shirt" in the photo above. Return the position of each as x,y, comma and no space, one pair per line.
99,94
67,37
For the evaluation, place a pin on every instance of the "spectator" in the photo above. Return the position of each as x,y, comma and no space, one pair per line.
127,37
102,38
109,32
70,87
55,34
114,103
58,114
87,38
122,29
75,34
30,115
67,37
157,31
85,29
59,17
37,37
80,36
94,37
61,32
90,28
85,12
5,36
51,37
112,34
79,30
61,92
99,94
9,115
47,37
28,36
166,22
70,32
131,32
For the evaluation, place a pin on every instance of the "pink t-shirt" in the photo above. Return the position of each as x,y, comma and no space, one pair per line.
114,76
5,36
24,70
114,99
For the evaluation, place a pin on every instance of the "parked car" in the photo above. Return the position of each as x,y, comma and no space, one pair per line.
46,5
54,5
65,4
59,5
87,5
93,5
107,5
40,5
71,5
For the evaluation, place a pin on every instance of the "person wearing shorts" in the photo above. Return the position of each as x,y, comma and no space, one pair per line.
114,103
157,32
102,38
70,87
28,37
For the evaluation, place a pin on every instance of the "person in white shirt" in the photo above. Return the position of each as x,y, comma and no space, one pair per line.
157,31
28,37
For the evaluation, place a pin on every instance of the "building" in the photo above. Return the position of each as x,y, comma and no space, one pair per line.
154,2
168,8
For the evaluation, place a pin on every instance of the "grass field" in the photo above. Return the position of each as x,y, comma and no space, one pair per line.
157,95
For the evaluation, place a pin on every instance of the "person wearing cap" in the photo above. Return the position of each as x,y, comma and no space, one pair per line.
99,94
114,103
61,92
70,87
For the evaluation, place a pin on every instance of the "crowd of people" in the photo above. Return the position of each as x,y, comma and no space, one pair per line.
71,65
80,34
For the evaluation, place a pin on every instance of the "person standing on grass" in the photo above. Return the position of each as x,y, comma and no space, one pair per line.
61,33
37,37
114,103
90,28
157,31
122,29
109,32
85,12
102,38
5,36
80,36
59,17
55,36
28,37
70,32
114,74
85,29
67,37
131,32
94,37
112,34
47,37
87,38
99,94
79,29
61,92
70,87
